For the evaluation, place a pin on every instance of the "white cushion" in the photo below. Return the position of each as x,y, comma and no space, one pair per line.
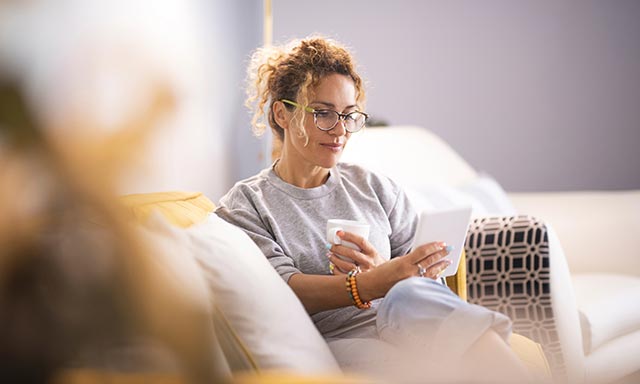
565,312
598,229
609,306
412,156
266,314
366,356
614,360
483,194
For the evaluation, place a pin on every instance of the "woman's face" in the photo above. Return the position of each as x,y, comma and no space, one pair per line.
335,92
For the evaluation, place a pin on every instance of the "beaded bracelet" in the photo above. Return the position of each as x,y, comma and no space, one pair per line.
352,288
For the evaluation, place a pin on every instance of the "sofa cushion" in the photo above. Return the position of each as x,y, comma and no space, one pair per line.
265,313
614,360
531,355
608,305
259,322
417,149
182,209
483,194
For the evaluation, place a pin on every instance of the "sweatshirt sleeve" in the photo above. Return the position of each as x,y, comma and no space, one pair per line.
244,210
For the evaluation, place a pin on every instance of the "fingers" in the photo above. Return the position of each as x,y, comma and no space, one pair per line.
362,243
355,257
436,270
340,266
429,254
335,270
366,256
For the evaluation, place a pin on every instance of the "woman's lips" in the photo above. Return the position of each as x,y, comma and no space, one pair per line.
335,147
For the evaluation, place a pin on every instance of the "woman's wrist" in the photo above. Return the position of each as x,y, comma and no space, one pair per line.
354,293
369,287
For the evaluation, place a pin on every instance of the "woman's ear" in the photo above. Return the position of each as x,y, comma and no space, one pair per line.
281,115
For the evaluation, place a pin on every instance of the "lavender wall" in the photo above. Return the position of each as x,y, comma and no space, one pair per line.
543,95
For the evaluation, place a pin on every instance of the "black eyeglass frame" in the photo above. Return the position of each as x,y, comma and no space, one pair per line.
341,116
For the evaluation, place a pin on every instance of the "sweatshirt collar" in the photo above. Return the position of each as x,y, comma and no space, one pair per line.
303,193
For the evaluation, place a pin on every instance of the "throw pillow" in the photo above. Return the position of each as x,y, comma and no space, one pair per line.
265,313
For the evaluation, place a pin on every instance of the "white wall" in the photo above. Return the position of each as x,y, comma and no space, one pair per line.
99,57
543,95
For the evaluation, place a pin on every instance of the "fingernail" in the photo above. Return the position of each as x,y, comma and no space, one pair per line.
340,233
328,245
328,254
449,248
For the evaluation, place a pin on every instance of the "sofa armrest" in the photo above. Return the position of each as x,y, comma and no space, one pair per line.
509,270
598,230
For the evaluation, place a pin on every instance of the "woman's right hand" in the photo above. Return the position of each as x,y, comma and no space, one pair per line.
430,257
344,258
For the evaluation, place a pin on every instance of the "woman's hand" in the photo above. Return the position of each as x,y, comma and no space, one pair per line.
431,260
428,259
345,259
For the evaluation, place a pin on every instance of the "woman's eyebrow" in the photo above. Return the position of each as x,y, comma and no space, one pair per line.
331,105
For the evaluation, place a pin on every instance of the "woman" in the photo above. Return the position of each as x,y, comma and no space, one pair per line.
315,103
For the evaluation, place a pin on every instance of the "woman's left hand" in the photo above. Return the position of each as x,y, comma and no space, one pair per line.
366,258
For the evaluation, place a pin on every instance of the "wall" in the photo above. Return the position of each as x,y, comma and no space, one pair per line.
99,58
541,95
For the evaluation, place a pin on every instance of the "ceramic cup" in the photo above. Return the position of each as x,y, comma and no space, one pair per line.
358,227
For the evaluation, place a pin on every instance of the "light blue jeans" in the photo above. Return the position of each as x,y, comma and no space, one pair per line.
424,315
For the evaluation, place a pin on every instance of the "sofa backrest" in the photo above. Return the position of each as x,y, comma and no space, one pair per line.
425,158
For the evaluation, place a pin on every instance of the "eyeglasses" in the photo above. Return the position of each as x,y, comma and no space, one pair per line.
327,119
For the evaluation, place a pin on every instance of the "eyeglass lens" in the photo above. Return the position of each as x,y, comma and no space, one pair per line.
327,119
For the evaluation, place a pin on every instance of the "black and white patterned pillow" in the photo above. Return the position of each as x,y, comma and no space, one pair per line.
508,271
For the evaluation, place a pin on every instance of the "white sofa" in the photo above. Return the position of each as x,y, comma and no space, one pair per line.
591,318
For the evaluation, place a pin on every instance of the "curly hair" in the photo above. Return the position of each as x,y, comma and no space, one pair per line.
289,71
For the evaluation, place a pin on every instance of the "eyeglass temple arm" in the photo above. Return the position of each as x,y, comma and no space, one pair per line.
308,109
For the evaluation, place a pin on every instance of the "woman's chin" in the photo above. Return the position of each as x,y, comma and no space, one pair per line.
330,163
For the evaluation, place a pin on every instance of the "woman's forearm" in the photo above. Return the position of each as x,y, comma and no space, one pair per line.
320,293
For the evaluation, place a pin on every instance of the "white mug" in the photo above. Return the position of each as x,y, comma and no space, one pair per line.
358,227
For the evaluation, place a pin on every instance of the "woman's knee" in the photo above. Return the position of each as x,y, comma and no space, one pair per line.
418,287
418,298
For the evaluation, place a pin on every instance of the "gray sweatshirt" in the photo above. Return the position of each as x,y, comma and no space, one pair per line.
289,225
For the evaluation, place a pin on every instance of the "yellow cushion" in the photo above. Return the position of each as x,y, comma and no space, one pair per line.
296,378
97,376
458,282
182,209
531,355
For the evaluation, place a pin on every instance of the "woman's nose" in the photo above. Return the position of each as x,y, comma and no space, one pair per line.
339,129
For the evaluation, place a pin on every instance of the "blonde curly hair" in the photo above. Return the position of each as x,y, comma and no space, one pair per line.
288,72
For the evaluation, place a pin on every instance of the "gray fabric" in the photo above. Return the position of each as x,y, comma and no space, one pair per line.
289,225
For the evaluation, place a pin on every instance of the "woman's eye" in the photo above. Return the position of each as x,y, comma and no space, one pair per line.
323,114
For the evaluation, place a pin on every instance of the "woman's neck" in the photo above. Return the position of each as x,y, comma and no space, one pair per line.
300,176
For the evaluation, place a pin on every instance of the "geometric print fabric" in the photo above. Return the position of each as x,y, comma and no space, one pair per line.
508,271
